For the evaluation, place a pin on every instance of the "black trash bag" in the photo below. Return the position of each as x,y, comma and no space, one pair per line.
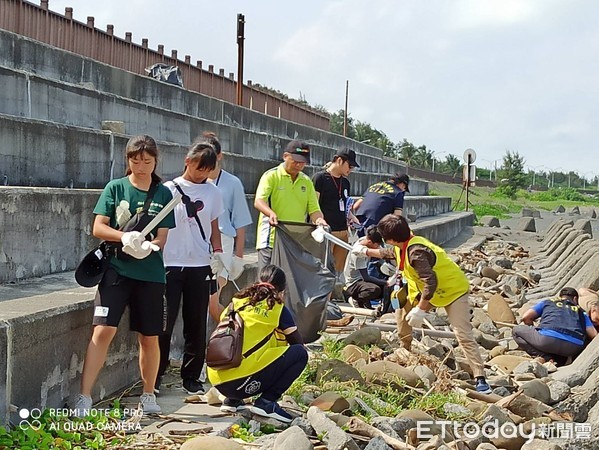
166,73
310,279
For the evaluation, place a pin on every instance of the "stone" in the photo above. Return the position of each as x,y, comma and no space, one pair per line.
400,426
534,275
501,391
526,212
304,424
292,438
377,443
574,211
507,362
584,225
486,446
500,380
490,221
526,224
425,373
494,412
501,261
210,443
389,372
537,389
479,316
489,328
351,353
331,401
499,350
511,443
333,436
386,428
489,272
558,391
523,405
540,444
456,410
560,209
364,336
333,369
485,340
534,367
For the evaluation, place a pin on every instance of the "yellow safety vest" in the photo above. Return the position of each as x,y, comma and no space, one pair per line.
451,281
259,322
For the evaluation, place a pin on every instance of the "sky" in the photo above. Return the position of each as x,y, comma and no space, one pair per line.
492,75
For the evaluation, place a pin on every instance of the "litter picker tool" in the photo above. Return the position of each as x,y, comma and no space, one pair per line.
161,215
319,235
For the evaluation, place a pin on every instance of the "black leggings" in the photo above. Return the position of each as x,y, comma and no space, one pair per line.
272,381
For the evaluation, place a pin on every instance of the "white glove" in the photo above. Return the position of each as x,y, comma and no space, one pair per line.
142,250
415,317
392,279
359,249
217,264
388,269
237,268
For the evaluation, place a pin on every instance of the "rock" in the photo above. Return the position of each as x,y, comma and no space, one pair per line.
386,428
479,317
560,209
526,212
523,405
584,225
558,391
509,443
489,272
424,373
489,328
537,389
574,211
540,444
388,372
502,262
494,412
306,398
499,350
266,442
292,437
486,446
212,397
582,367
490,221
507,362
351,353
377,443
485,340
501,391
534,367
364,336
331,401
304,424
333,369
333,436
400,426
500,380
210,443
593,214
526,224
456,410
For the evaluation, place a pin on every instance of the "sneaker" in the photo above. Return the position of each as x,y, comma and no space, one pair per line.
482,386
148,403
203,375
193,386
157,385
83,406
266,408
353,303
232,405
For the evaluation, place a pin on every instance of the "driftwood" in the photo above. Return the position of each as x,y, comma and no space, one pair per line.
358,311
432,333
361,428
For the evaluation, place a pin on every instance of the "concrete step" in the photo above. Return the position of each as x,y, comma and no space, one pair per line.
425,206
443,227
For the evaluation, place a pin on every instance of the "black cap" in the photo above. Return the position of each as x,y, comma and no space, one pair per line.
401,178
92,267
299,151
349,156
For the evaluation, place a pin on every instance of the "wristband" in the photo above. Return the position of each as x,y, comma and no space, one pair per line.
217,250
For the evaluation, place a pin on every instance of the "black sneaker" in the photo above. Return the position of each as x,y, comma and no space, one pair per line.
232,405
482,386
266,408
193,386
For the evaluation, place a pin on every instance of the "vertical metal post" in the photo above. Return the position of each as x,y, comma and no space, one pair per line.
345,110
468,181
240,41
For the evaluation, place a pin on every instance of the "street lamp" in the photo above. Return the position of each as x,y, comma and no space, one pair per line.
534,172
493,167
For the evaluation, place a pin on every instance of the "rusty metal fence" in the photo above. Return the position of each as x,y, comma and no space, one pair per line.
41,24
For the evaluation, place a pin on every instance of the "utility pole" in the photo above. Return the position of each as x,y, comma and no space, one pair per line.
240,41
345,110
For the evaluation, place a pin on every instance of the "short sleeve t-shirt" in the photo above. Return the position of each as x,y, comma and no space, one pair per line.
291,200
185,246
379,200
538,308
333,198
120,196
353,264
236,211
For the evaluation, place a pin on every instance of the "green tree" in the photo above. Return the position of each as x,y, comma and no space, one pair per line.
453,165
408,152
336,124
512,171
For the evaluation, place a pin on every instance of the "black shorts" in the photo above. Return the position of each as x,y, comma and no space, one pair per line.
148,312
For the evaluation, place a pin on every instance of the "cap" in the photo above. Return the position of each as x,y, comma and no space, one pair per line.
299,151
92,267
349,156
401,178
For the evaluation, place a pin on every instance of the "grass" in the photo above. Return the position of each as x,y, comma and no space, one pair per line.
485,201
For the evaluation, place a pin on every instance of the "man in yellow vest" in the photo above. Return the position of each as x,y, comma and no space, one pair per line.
434,280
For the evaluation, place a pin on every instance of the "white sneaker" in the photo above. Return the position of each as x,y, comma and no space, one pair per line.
148,403
352,302
83,406
203,376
